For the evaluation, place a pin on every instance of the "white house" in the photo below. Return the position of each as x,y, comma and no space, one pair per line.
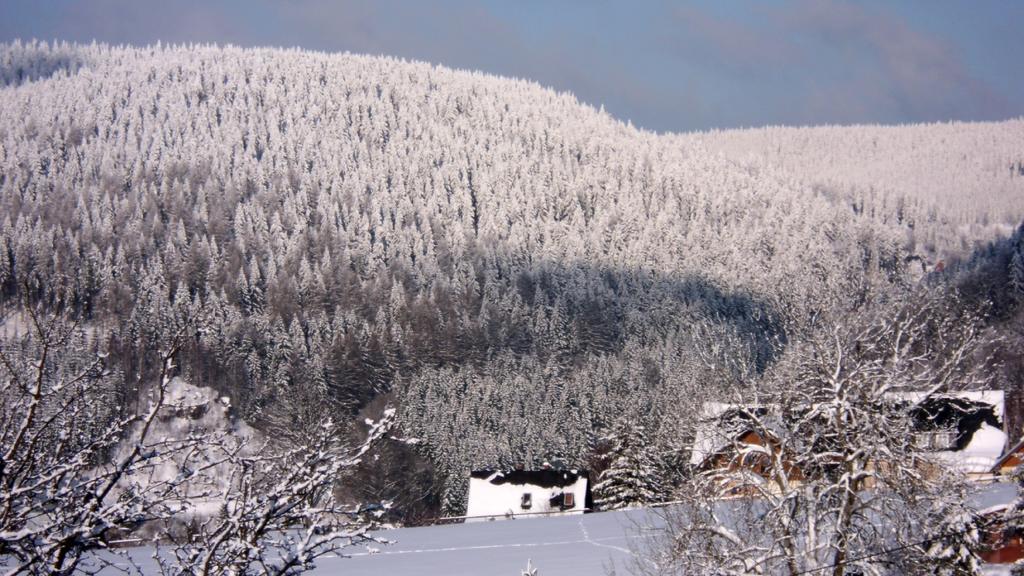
526,493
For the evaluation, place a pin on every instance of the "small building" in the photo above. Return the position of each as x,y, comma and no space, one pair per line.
737,452
999,544
999,541
962,430
527,493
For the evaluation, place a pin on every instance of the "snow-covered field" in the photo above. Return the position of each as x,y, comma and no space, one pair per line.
581,545
587,545
574,545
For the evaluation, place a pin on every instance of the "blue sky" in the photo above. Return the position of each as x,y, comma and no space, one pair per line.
666,66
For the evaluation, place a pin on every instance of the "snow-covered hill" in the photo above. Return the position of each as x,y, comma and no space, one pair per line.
514,268
948,183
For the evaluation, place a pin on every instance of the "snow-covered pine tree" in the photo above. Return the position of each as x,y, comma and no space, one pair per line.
1017,273
632,475
953,552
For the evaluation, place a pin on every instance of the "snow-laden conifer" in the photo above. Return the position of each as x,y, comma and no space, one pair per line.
632,476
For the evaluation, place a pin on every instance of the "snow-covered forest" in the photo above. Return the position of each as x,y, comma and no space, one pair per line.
519,273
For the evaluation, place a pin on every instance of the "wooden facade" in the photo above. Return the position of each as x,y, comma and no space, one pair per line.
730,464
998,544
1010,460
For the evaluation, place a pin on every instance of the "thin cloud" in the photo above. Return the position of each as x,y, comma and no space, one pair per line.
922,73
838,61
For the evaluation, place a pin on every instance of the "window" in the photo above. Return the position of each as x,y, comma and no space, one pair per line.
527,501
563,500
568,500
935,440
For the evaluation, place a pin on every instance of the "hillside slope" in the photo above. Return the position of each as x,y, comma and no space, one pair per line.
514,268
952,185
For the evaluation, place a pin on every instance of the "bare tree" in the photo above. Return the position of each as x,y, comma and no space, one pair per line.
63,491
75,475
277,513
815,470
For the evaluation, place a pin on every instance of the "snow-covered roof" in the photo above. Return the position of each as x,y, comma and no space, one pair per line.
711,438
981,453
994,398
981,439
992,497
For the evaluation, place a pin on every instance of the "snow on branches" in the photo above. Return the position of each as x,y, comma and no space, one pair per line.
632,477
76,474
815,469
277,513
64,488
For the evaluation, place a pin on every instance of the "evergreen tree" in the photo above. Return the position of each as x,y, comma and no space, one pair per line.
631,478
1017,273
954,552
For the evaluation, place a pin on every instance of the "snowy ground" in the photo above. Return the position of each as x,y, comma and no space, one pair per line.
587,545
582,545
576,545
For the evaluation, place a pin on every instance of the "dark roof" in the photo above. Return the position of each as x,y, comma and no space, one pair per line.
962,415
542,478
